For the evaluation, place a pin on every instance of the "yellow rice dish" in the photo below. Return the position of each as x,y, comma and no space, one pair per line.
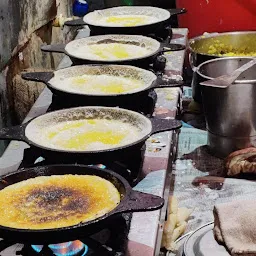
221,49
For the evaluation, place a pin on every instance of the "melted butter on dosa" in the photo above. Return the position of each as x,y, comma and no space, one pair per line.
112,51
128,20
56,201
99,84
88,134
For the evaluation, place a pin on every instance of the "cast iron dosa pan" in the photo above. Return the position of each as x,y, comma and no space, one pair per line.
157,20
140,128
113,49
131,201
57,81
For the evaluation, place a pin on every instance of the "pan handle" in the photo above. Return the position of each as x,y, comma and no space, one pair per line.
166,83
76,22
60,48
162,125
38,76
172,47
177,11
14,133
138,202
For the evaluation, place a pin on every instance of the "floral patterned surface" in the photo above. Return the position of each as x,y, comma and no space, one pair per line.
146,228
198,180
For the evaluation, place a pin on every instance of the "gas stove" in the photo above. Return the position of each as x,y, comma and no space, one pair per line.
109,241
161,34
119,162
157,64
144,104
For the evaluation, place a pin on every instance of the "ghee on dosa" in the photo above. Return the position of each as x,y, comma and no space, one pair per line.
99,84
128,20
112,51
87,134
49,202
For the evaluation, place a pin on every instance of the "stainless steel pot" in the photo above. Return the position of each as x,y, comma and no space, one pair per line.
230,112
201,50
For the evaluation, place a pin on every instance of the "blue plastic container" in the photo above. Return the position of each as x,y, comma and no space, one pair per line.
80,8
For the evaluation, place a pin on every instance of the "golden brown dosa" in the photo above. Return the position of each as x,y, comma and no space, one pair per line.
49,202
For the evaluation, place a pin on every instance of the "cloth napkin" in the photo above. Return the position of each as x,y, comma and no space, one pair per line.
235,226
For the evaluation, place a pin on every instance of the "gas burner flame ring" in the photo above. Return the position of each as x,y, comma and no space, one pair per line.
59,246
65,249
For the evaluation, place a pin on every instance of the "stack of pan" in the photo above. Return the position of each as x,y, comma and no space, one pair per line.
92,65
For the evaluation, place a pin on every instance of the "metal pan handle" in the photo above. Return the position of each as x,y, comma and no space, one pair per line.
14,133
77,22
60,48
162,125
177,11
38,76
138,201
166,83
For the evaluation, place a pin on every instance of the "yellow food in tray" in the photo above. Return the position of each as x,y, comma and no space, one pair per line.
56,201
88,134
221,49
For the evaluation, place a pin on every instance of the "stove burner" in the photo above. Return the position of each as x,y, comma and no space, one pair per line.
160,34
109,240
144,104
74,248
120,163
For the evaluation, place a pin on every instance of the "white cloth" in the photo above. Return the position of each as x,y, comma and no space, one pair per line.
235,227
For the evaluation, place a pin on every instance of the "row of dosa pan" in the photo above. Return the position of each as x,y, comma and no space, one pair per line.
131,201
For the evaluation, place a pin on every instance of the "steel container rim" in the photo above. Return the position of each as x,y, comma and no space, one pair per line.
251,81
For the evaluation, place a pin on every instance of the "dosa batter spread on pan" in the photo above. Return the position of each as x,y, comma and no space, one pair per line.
56,201
128,20
99,84
88,134
111,51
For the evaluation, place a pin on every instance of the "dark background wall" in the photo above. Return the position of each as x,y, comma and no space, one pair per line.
24,26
